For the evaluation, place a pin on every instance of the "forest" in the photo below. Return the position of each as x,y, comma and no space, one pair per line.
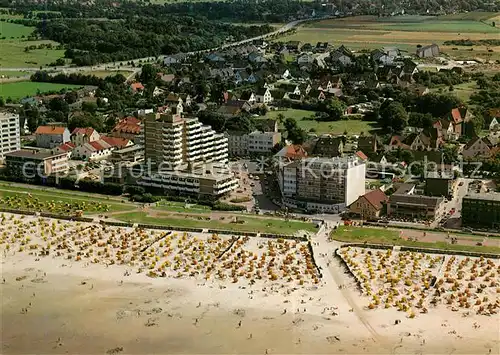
89,42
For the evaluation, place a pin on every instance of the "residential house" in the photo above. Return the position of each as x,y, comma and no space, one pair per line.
293,46
307,47
370,205
51,136
256,58
249,97
291,152
174,59
81,136
447,129
382,57
289,88
305,59
127,128
234,108
369,144
279,95
421,90
478,147
286,74
397,142
430,139
317,94
215,57
64,148
267,125
137,87
167,78
428,51
95,150
342,56
321,47
264,96
240,77
305,88
494,125
223,73
328,146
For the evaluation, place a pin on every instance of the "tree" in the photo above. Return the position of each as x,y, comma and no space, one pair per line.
148,74
71,97
420,120
393,116
294,133
335,109
90,107
2,101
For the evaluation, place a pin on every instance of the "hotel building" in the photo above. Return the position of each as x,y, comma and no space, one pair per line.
10,135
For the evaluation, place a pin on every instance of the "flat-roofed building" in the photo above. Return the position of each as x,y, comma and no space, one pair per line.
30,165
405,203
133,153
481,210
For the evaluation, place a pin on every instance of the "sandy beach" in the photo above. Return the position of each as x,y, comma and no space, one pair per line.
51,304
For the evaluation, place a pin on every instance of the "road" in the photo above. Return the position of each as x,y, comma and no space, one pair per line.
125,66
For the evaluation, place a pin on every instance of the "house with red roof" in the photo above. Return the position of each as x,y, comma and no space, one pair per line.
128,128
292,152
81,136
100,149
370,205
51,136
137,87
64,148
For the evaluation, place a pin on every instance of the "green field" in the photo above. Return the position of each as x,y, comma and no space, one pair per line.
27,88
13,30
251,224
58,201
13,74
180,207
462,91
12,54
334,127
391,237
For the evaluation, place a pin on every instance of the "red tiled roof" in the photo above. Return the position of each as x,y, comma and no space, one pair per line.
85,131
136,86
375,198
128,125
116,141
456,116
50,130
66,147
295,151
362,155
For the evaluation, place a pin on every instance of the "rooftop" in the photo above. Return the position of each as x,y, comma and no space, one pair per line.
32,154
490,196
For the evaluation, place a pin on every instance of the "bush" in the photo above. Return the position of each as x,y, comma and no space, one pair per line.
240,199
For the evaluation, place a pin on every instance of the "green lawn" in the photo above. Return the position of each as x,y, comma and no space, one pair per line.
12,74
164,205
273,226
13,30
27,88
462,91
334,127
391,237
60,200
12,54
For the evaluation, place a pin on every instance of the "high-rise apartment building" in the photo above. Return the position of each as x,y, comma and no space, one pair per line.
173,140
187,157
10,134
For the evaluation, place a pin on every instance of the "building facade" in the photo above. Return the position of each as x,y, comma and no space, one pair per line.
337,181
187,157
10,134
481,211
31,165
51,136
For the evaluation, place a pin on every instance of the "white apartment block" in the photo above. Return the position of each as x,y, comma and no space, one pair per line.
323,182
263,142
190,158
10,134
252,143
174,141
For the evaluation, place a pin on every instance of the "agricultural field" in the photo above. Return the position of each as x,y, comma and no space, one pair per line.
27,88
12,54
405,32
12,74
334,127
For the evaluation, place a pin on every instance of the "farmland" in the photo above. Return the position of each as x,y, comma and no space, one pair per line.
12,54
405,32
13,30
27,88
333,127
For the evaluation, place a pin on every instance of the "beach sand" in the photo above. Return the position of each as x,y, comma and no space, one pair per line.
51,306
